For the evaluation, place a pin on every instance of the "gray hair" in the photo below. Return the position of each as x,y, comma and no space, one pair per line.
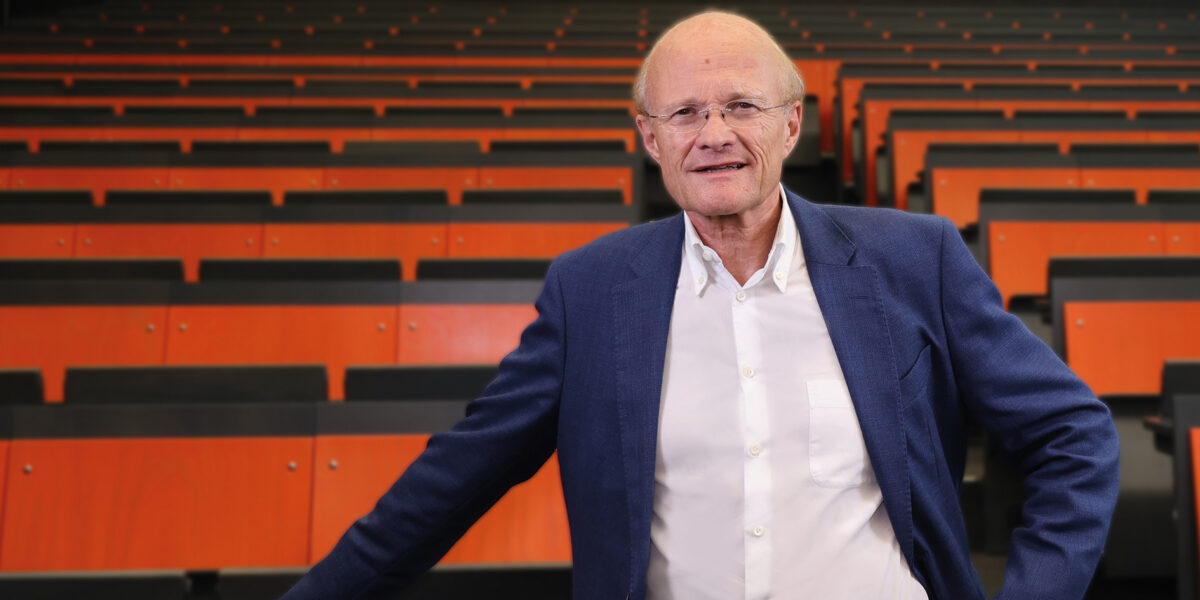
793,82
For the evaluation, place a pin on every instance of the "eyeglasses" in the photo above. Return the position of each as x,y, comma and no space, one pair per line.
737,113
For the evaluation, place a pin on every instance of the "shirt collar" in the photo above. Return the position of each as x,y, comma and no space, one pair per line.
779,261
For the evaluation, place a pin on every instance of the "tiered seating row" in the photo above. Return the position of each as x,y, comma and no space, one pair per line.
296,472
55,325
447,166
956,174
910,133
410,226
867,94
1022,230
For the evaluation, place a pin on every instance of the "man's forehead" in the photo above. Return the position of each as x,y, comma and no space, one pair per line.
701,73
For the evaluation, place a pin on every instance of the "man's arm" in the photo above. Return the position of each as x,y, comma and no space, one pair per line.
1060,437
508,433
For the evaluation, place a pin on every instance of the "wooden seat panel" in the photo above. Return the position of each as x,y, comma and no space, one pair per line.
1120,347
523,240
334,336
55,337
527,525
460,333
139,503
1020,251
408,242
189,242
37,241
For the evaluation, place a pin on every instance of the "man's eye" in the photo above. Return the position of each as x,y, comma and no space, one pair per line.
743,106
684,112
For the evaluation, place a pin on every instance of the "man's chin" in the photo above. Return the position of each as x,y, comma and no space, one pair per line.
717,208
713,204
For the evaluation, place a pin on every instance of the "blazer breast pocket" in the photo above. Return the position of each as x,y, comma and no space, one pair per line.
837,454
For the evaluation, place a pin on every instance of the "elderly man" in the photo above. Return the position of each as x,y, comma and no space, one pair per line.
761,397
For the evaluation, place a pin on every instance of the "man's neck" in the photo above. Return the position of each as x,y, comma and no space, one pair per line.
743,241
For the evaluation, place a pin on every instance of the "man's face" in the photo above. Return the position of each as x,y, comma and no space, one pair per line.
708,70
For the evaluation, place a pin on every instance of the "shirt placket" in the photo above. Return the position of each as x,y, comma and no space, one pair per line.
756,475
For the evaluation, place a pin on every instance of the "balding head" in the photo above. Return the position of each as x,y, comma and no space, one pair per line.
717,27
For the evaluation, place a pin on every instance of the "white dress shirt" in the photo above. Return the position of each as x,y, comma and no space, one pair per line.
763,487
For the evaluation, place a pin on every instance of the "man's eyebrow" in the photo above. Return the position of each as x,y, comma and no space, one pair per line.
746,95
727,98
684,102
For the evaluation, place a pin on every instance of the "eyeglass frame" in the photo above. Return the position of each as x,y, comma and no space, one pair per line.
706,111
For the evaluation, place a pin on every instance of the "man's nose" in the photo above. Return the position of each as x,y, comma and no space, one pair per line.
715,132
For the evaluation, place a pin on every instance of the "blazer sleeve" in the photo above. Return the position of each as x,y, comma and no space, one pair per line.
506,436
1058,434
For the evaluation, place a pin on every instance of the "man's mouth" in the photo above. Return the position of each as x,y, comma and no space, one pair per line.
724,167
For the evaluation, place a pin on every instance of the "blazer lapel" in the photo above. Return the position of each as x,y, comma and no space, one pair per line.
641,309
847,291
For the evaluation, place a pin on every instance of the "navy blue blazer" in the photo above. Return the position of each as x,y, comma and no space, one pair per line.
923,341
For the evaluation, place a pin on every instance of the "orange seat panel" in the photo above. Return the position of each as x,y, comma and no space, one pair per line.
55,337
40,241
335,336
1182,238
1141,179
576,178
460,333
279,180
408,242
13,469
523,240
193,503
908,158
1019,252
189,242
529,523
1194,434
1120,347
956,190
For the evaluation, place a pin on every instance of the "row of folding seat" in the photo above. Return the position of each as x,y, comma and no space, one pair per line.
1157,106
374,36
911,132
1021,230
955,174
868,94
389,166
500,582
395,85
236,467
821,65
821,62
615,19
250,384
54,324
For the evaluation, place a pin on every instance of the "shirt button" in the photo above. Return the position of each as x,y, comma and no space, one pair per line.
759,531
755,449
747,372
741,296
708,256
699,281
779,275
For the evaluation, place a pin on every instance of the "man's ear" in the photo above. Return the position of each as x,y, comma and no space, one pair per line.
649,141
795,116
